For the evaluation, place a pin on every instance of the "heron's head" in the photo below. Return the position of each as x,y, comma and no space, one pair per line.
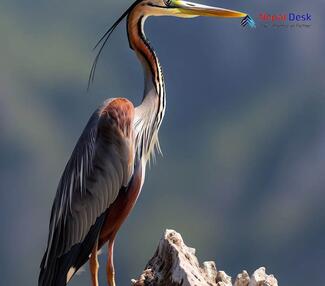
183,9
141,9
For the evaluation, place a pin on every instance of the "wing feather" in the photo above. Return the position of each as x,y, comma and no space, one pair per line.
96,171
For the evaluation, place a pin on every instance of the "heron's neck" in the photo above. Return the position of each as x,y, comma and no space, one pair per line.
152,109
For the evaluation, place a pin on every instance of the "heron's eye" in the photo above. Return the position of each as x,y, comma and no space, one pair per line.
168,2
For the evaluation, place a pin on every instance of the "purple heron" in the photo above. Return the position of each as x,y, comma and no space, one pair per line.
104,176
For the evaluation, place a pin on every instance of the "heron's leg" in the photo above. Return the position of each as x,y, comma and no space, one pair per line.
94,265
110,263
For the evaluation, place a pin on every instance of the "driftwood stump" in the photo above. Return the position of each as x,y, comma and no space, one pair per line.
175,264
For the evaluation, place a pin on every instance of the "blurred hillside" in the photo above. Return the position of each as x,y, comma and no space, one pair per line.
243,139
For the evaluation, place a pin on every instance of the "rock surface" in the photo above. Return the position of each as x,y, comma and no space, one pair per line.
175,264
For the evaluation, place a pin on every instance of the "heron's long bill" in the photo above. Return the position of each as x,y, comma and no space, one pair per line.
189,9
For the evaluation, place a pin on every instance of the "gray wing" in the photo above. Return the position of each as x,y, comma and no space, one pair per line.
96,171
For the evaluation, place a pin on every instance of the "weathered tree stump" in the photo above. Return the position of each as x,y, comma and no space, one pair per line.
175,264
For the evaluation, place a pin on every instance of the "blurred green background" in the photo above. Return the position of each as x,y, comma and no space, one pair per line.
243,172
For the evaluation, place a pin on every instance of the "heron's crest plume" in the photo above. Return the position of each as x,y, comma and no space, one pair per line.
103,41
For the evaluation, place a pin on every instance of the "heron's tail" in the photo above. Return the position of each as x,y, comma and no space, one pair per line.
57,271
52,273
